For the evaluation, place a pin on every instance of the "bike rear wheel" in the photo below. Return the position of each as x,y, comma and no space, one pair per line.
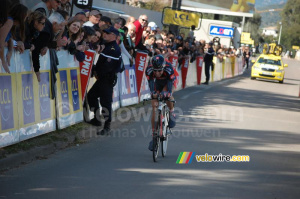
156,136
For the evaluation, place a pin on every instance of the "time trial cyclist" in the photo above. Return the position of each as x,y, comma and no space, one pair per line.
160,75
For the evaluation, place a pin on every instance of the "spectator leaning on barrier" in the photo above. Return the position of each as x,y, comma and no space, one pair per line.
94,18
128,42
89,34
140,24
208,58
34,24
9,22
47,6
46,39
72,35
107,66
119,24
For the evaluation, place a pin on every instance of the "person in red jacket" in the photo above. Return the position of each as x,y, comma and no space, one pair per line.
139,28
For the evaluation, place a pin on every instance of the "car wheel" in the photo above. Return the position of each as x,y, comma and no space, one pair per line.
281,82
252,78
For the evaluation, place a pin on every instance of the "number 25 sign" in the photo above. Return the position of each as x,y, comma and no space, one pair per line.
83,4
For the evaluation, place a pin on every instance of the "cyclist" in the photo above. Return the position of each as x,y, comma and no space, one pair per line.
160,75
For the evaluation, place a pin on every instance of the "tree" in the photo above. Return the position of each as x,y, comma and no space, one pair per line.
290,24
155,5
252,26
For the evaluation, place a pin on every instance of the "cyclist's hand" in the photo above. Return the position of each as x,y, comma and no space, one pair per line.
165,95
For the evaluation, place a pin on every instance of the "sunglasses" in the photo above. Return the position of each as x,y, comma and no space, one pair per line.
43,23
144,20
157,70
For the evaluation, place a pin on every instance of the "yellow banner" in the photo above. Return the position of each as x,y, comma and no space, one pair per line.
295,47
246,39
180,18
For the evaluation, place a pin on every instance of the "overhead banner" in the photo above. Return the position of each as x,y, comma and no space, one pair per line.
245,6
85,71
181,18
184,70
199,63
141,64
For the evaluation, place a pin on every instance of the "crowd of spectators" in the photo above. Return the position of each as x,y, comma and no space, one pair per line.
48,26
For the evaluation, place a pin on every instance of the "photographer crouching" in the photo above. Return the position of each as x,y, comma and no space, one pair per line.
108,65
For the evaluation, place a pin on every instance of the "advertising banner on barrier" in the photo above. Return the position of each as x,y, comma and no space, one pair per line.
116,95
35,107
184,70
128,86
69,93
9,126
145,90
140,67
199,63
8,109
85,71
174,60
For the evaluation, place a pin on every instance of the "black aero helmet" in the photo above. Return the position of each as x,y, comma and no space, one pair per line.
158,62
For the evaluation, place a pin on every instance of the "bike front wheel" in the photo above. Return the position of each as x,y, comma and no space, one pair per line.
164,146
156,143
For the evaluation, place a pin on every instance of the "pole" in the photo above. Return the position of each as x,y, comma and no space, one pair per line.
280,32
243,24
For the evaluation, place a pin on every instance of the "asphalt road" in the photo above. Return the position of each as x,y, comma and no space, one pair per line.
238,116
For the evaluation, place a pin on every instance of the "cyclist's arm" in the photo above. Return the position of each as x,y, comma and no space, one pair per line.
171,77
149,75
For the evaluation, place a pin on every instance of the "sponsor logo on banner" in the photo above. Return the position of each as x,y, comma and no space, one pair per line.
85,71
75,93
184,70
44,95
141,64
128,83
145,87
221,31
174,61
28,98
6,104
64,92
180,18
199,63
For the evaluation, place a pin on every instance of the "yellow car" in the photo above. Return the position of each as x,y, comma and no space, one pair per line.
268,66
